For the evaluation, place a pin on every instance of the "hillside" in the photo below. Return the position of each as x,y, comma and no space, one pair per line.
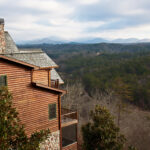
129,71
109,75
59,50
101,66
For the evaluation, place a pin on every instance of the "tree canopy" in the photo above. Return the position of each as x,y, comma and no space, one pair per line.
110,71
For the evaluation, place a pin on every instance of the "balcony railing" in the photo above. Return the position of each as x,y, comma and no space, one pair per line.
68,117
55,83
69,124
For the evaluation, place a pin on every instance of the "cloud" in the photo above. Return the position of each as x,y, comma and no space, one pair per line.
88,2
72,19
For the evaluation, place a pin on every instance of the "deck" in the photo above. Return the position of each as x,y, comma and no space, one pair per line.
69,121
68,117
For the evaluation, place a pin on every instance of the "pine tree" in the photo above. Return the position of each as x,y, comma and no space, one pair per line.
12,132
101,133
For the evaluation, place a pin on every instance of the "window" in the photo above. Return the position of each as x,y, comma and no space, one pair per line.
3,80
52,111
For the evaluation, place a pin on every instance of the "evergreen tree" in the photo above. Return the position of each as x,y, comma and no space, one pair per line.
12,132
101,133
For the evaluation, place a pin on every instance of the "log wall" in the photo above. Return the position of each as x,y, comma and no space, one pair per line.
41,76
30,102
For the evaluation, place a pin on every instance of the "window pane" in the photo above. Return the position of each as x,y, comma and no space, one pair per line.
52,111
3,80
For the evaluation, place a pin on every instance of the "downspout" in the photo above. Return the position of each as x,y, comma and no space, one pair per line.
60,129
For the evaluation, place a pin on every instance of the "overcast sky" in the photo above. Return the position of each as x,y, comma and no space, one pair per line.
73,19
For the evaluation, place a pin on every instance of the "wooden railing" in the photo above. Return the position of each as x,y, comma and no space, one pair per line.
68,115
69,124
55,83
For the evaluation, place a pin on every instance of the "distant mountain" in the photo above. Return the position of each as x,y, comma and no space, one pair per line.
144,41
49,40
92,40
56,40
130,40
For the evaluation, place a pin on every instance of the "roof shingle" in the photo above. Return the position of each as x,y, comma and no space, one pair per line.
39,59
34,57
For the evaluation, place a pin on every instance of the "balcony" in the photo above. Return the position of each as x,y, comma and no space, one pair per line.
55,83
69,123
68,117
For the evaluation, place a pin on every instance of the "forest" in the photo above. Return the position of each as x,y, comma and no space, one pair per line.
115,76
128,74
123,68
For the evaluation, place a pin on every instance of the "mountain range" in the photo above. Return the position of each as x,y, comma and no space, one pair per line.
55,40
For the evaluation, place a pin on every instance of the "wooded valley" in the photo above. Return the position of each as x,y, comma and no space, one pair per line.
114,75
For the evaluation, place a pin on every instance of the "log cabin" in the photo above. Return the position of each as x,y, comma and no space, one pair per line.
32,79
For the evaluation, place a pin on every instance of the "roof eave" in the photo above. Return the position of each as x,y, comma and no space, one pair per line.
18,61
49,88
49,67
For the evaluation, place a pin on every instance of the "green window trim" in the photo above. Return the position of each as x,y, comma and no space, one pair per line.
52,113
3,80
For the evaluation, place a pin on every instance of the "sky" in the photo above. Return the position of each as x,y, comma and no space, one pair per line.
75,19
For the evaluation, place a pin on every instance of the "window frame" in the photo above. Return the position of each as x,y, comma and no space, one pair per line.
49,111
4,75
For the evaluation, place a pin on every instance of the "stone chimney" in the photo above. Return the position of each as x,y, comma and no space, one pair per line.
2,36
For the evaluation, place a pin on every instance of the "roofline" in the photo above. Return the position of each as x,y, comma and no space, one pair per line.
49,88
49,67
24,63
18,61
24,52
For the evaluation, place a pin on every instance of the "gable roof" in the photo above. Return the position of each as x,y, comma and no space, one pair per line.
39,59
35,58
17,61
10,44
55,76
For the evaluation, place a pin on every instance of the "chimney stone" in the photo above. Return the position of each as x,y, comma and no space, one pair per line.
2,36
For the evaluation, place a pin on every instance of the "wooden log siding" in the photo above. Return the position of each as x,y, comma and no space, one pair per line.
42,76
31,103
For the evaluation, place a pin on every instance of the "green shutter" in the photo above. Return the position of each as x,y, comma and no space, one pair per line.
52,111
3,80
